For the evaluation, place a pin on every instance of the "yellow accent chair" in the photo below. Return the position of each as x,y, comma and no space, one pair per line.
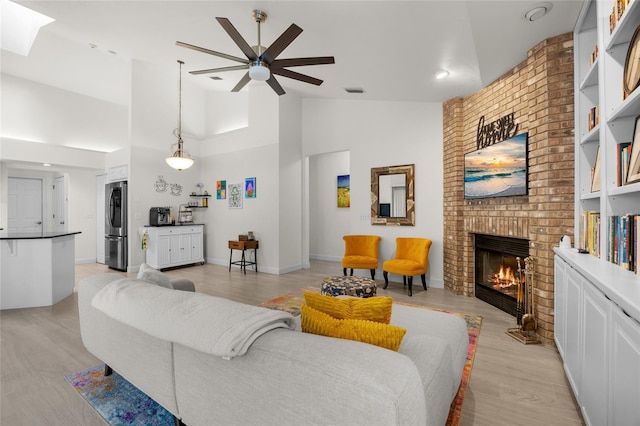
360,252
411,259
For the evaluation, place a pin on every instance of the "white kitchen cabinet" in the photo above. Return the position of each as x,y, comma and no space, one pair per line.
169,246
597,312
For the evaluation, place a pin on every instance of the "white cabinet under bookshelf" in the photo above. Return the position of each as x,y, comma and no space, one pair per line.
599,61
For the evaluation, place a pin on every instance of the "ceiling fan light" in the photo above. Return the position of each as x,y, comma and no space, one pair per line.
259,72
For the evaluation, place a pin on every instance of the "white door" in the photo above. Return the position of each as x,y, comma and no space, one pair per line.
101,181
25,205
59,205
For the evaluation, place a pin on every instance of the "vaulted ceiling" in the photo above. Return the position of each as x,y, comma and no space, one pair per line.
390,49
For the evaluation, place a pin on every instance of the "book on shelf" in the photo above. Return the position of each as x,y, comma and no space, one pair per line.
624,244
595,174
594,117
593,56
623,156
619,6
590,232
636,247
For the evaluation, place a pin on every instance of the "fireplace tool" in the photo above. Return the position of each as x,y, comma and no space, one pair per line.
519,294
526,330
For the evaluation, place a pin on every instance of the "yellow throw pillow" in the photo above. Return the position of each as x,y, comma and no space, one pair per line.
376,309
383,335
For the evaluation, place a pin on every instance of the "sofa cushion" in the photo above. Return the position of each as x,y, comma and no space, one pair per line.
375,333
154,276
376,309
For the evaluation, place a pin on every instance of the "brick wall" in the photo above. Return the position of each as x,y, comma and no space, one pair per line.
539,92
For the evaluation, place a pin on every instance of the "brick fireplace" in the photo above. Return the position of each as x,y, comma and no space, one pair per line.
539,92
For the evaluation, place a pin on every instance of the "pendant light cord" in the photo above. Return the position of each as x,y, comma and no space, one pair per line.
180,109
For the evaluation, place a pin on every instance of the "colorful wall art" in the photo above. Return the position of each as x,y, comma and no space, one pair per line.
250,187
344,191
221,189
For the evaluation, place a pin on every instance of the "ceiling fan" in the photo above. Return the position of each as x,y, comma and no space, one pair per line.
261,63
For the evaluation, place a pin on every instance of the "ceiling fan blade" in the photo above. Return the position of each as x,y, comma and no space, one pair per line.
212,52
243,82
297,76
275,85
237,38
298,62
281,43
232,68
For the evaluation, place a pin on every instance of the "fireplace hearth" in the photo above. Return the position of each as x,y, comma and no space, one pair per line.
498,271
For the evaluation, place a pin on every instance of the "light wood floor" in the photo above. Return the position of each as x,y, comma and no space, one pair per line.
511,384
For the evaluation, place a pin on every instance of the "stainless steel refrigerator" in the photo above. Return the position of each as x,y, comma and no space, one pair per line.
116,225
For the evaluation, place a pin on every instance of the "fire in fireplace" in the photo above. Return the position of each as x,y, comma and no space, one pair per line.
497,273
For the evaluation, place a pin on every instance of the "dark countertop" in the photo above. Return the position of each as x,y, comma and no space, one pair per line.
8,235
174,224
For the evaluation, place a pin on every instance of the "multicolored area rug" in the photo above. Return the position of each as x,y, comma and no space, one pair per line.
291,303
121,403
117,400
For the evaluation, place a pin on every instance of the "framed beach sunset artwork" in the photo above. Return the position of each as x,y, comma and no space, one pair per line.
499,170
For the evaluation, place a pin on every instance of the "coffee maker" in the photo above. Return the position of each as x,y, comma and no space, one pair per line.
159,216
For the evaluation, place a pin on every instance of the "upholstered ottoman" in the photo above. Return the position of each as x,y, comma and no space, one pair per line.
349,286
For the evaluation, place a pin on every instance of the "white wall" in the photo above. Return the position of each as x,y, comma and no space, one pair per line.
290,183
268,150
384,134
328,222
81,190
259,214
39,113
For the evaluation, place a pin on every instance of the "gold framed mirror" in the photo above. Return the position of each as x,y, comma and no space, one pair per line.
392,195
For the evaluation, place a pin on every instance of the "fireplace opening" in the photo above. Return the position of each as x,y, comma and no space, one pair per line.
497,272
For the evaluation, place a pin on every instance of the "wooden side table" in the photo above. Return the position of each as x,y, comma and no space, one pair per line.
243,262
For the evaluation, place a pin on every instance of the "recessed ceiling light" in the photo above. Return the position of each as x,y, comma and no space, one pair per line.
46,164
215,78
354,89
538,11
442,74
93,45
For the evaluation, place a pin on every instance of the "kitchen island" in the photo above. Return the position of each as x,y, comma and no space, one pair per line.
36,268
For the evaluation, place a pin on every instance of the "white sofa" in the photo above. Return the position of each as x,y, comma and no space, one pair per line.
286,377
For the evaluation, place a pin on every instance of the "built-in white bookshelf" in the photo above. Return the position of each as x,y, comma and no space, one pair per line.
599,83
596,301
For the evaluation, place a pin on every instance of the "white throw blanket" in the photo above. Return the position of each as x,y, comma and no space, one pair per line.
205,323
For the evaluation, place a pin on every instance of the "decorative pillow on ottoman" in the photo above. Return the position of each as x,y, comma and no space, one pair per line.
377,309
383,335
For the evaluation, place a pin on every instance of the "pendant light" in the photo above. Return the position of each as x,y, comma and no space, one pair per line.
180,158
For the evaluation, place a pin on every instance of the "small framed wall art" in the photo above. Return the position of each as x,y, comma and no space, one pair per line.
235,195
344,191
221,189
250,187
